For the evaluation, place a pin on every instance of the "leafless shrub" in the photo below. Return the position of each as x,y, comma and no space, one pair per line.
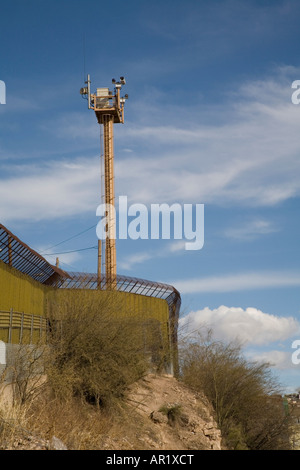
245,396
95,352
25,371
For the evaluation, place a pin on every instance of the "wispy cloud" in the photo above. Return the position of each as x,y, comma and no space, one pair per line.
245,151
250,230
280,359
242,151
238,282
130,261
49,191
74,125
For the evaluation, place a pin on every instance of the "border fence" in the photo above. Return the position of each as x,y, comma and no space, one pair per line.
19,327
27,279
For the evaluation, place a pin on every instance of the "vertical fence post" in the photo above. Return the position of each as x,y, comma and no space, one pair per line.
22,326
9,251
31,329
10,325
171,364
41,327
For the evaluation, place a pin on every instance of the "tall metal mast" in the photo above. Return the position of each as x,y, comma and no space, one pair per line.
109,109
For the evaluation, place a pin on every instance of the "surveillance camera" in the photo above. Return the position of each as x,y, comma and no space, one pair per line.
113,80
123,81
83,91
126,96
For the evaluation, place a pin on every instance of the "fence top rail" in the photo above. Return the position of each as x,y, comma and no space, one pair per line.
20,256
77,280
133,285
15,312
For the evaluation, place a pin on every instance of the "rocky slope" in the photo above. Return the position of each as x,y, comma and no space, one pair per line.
172,417
161,413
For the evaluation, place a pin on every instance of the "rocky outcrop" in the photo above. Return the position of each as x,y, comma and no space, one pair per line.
24,440
161,413
177,417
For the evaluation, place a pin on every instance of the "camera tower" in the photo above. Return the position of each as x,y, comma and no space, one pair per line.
109,109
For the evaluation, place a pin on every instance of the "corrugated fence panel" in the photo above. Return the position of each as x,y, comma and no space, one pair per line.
25,305
123,304
20,292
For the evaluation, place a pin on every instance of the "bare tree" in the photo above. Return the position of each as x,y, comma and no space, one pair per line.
96,352
245,395
25,371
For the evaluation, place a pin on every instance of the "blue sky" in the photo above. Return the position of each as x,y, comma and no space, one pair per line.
209,121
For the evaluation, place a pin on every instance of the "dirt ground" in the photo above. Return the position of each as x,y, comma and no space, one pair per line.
169,416
160,413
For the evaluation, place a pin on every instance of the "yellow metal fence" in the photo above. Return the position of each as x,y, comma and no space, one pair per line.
20,327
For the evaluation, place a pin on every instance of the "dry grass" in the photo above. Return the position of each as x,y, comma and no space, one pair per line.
13,420
93,354
91,358
79,425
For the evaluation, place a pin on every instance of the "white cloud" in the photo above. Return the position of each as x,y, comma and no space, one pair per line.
280,359
74,125
238,282
251,229
58,189
177,246
132,260
249,326
243,151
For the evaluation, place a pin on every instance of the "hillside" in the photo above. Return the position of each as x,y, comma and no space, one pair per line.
161,413
149,400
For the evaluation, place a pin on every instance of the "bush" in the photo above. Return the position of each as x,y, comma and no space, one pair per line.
173,413
244,395
25,371
95,353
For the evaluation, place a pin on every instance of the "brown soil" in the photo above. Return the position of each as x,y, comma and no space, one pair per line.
161,413
150,400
